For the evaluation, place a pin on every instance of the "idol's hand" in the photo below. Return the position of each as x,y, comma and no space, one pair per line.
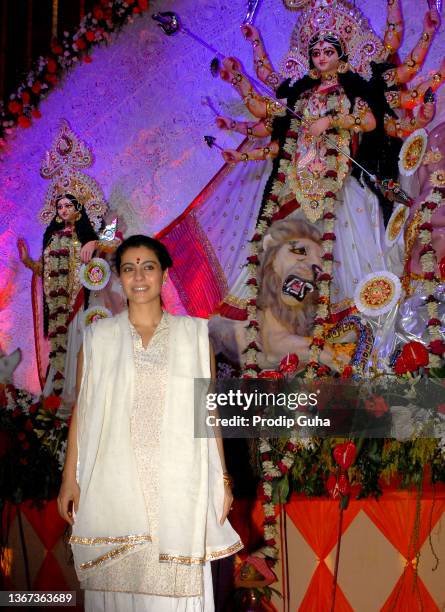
231,156
68,500
228,501
428,111
22,249
319,126
224,123
250,33
86,252
431,21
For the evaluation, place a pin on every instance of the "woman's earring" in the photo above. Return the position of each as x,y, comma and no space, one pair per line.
58,219
342,67
78,216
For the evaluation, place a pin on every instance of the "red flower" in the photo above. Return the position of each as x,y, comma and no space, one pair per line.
324,276
15,107
442,267
323,370
376,405
344,485
16,412
23,460
347,371
429,275
431,205
24,122
415,355
81,44
51,403
36,113
90,36
328,257
26,97
332,486
50,78
25,445
400,366
432,323
344,454
328,236
21,436
289,364
282,467
36,88
441,409
427,248
329,215
51,65
98,13
136,10
87,59
28,425
253,259
56,49
270,375
426,226
437,347
33,408
318,342
143,4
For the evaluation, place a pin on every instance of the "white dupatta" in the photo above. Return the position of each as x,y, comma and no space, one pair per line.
111,521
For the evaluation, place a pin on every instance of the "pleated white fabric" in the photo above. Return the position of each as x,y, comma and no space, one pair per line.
109,601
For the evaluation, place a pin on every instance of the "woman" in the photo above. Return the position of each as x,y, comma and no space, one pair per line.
150,500
69,241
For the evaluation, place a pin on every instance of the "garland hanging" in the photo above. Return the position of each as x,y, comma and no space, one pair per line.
106,18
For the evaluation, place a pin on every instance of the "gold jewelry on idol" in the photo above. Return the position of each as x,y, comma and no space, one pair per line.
342,67
314,74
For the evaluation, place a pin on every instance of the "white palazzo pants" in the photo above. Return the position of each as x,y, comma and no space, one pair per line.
110,601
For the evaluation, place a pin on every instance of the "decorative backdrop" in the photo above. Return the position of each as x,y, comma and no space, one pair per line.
141,105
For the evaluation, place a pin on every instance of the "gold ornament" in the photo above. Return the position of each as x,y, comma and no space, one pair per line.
342,20
62,165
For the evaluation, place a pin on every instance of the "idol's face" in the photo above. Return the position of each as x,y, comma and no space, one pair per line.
66,210
324,57
141,275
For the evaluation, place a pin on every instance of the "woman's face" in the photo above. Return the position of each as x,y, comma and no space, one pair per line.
324,57
66,210
141,275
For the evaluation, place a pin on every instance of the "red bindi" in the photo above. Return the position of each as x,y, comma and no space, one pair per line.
138,260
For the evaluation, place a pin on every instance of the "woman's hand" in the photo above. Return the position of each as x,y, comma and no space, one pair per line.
431,21
68,500
319,126
228,501
22,249
231,156
86,252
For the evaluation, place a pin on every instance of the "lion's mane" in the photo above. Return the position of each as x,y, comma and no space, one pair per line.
297,319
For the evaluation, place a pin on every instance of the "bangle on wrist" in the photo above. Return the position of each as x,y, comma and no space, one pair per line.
228,480
244,157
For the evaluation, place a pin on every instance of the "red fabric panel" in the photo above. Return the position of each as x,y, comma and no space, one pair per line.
196,272
47,523
395,517
318,597
50,577
317,521
410,595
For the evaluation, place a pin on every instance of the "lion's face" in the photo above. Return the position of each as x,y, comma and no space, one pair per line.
297,264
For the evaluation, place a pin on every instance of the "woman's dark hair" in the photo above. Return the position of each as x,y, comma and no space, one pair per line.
139,240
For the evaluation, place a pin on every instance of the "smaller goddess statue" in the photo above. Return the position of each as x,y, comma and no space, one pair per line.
73,211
